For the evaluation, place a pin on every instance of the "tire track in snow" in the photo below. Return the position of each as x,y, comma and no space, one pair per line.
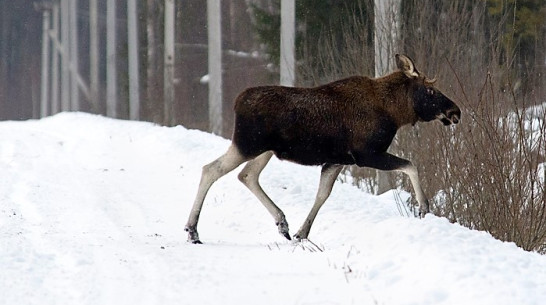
29,232
52,248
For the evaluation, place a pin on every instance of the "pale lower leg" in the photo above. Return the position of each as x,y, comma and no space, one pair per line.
327,179
388,162
211,172
413,174
249,176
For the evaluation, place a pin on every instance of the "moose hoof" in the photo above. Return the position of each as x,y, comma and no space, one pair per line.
300,236
286,235
424,209
193,236
283,229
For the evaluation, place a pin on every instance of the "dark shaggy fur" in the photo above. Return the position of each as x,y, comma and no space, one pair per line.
339,123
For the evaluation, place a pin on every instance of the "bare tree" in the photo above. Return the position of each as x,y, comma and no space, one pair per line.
134,75
215,66
111,60
386,28
154,75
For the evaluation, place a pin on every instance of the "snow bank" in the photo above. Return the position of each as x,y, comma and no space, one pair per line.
92,212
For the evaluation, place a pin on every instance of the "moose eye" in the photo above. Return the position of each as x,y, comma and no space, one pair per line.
430,91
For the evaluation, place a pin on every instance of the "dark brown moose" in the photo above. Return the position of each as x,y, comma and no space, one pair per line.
349,121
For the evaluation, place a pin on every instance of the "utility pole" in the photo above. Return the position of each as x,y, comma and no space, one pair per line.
134,94
215,66
288,21
111,62
93,54
168,81
387,14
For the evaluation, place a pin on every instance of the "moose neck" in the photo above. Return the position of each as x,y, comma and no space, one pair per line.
396,99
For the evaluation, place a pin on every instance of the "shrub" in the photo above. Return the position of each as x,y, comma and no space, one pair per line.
487,173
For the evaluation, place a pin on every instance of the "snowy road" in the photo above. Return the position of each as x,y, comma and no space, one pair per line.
92,212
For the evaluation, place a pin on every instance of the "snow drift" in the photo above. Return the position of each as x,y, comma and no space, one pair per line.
92,212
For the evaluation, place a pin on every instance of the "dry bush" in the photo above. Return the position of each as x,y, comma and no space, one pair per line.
486,173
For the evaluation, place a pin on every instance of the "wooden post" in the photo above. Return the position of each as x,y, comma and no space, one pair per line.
387,14
111,62
93,54
169,63
215,66
287,61
134,90
45,62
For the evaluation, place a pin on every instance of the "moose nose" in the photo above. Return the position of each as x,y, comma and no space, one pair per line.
455,119
454,116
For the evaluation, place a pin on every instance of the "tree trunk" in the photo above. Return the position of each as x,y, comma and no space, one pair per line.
94,55
4,57
387,16
134,90
287,64
65,56
44,87
154,105
169,59
74,56
111,62
215,66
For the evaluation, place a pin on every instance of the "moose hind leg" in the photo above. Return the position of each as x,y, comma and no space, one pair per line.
211,172
327,178
249,176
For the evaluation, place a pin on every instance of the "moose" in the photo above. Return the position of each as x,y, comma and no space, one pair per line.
346,122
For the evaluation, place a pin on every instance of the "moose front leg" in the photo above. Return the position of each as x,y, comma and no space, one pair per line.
211,172
411,171
388,162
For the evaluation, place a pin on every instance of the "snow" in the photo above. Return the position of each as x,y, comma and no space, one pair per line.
204,79
93,209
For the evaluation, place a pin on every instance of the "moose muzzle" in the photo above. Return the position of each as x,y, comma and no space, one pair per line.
451,116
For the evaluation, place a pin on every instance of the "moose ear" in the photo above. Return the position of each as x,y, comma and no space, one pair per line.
405,64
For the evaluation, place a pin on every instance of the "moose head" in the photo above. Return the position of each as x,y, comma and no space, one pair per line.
429,102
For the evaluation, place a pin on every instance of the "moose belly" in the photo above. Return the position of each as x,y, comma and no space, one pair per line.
313,152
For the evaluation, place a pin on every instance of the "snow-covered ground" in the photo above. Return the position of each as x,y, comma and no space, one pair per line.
92,211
